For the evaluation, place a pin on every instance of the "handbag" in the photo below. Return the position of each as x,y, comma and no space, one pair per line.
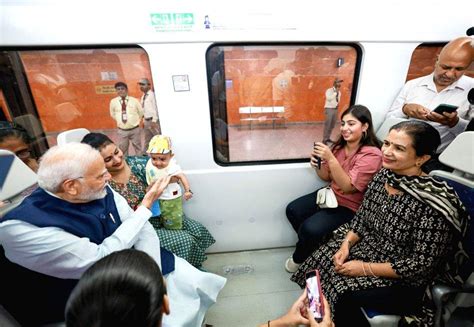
326,198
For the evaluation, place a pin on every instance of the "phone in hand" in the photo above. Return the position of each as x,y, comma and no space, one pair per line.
445,108
315,294
318,159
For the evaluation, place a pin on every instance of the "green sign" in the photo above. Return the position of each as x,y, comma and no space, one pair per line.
172,22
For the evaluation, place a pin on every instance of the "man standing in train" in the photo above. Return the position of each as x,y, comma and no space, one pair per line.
150,110
446,85
128,114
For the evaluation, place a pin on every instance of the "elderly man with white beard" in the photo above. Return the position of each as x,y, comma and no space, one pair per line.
73,219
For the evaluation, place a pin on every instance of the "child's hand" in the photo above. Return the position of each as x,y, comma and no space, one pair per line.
155,191
188,195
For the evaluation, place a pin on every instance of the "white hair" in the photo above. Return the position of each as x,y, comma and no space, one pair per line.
68,161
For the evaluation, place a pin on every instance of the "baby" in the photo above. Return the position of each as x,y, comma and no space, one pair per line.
162,163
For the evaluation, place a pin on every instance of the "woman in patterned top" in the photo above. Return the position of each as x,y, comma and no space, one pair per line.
402,238
129,180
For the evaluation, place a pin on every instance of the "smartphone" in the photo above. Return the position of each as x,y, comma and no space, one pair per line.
315,294
445,108
318,159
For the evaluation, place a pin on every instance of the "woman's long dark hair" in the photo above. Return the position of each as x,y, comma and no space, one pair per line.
362,114
125,288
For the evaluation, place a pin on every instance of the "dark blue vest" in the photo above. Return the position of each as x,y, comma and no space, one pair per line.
34,298
95,220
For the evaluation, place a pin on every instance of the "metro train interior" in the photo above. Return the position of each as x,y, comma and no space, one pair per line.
241,94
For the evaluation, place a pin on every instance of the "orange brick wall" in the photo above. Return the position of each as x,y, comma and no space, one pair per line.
252,72
68,87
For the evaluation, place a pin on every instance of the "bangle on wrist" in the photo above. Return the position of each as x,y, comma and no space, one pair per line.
189,191
363,268
370,269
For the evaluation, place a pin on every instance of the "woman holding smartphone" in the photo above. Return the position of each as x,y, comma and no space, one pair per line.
348,167
300,314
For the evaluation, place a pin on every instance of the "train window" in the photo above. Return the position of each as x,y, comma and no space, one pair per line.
50,91
423,61
268,101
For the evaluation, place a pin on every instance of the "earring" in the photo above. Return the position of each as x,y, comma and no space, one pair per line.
364,135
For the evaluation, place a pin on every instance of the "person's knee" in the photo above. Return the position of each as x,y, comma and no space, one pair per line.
310,230
291,211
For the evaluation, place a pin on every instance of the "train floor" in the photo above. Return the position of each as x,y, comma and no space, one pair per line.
258,288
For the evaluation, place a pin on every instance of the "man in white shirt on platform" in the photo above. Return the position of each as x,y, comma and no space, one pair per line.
333,96
446,85
150,110
128,114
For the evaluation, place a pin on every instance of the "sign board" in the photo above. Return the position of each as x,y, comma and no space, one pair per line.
108,76
172,22
105,89
180,83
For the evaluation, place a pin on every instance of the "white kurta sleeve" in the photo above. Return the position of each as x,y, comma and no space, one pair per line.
55,252
396,110
147,240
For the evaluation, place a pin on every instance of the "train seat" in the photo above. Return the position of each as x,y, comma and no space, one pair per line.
375,318
460,156
383,129
73,135
15,178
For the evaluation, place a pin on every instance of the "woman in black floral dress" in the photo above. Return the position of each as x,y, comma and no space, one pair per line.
402,237
129,180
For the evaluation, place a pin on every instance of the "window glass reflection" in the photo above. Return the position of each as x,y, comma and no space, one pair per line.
72,88
268,102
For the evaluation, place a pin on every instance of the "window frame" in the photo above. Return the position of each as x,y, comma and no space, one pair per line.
24,106
355,83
